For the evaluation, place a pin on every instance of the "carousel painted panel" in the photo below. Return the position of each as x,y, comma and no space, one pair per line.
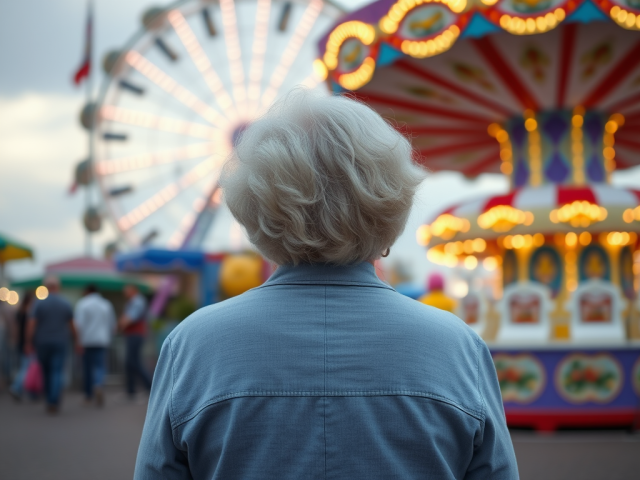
558,387
524,314
472,309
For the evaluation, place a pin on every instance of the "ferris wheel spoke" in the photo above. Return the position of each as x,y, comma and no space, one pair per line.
167,194
146,160
201,61
234,52
211,199
177,238
155,122
259,48
291,51
173,88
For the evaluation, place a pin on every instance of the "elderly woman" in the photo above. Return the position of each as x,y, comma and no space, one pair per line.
324,371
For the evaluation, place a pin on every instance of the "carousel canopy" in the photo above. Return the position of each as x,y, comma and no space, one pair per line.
546,209
454,74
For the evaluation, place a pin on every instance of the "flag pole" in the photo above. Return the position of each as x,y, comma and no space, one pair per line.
89,93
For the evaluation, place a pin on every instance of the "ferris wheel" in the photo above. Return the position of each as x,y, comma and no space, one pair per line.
177,98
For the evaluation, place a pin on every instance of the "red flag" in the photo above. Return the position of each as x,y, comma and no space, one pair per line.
85,67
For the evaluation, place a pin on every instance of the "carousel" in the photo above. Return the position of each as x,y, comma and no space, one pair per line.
547,93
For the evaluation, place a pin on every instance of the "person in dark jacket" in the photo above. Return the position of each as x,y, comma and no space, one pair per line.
49,331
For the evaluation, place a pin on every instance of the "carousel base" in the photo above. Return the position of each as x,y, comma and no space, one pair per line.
569,386
550,421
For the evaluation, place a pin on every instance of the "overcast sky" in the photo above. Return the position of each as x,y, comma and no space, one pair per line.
41,44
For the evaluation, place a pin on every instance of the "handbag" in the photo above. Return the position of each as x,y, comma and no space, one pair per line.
33,379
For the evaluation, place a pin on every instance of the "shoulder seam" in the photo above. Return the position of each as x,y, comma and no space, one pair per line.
478,415
482,402
171,411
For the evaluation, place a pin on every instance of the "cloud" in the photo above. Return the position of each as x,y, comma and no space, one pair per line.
39,135
40,144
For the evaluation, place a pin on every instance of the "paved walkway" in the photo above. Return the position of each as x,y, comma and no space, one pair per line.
594,455
89,444
80,443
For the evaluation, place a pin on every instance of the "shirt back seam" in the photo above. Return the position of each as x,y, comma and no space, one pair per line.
324,400
177,422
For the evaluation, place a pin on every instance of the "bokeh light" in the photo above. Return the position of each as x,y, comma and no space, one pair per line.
42,292
459,288
470,262
490,264
13,298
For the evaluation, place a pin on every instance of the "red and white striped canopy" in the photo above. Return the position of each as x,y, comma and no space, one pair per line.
549,197
539,202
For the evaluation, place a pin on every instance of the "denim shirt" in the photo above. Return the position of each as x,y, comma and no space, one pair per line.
324,373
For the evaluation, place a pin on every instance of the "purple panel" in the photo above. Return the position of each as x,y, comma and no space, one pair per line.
595,169
593,128
555,127
518,134
521,173
557,169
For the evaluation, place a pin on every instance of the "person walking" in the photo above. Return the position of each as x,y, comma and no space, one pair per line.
133,324
48,331
324,371
22,317
95,322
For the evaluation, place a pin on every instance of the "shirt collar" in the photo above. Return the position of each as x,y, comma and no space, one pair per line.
361,274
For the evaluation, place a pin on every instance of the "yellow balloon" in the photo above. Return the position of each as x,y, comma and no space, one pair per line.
240,273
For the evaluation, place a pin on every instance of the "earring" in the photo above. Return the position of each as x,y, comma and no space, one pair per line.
387,252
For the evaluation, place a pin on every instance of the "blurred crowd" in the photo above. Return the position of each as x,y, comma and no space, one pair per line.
41,336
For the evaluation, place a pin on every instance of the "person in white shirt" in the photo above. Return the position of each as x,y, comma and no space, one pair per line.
95,322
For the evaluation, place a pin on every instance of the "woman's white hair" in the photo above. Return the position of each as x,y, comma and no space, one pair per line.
321,180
